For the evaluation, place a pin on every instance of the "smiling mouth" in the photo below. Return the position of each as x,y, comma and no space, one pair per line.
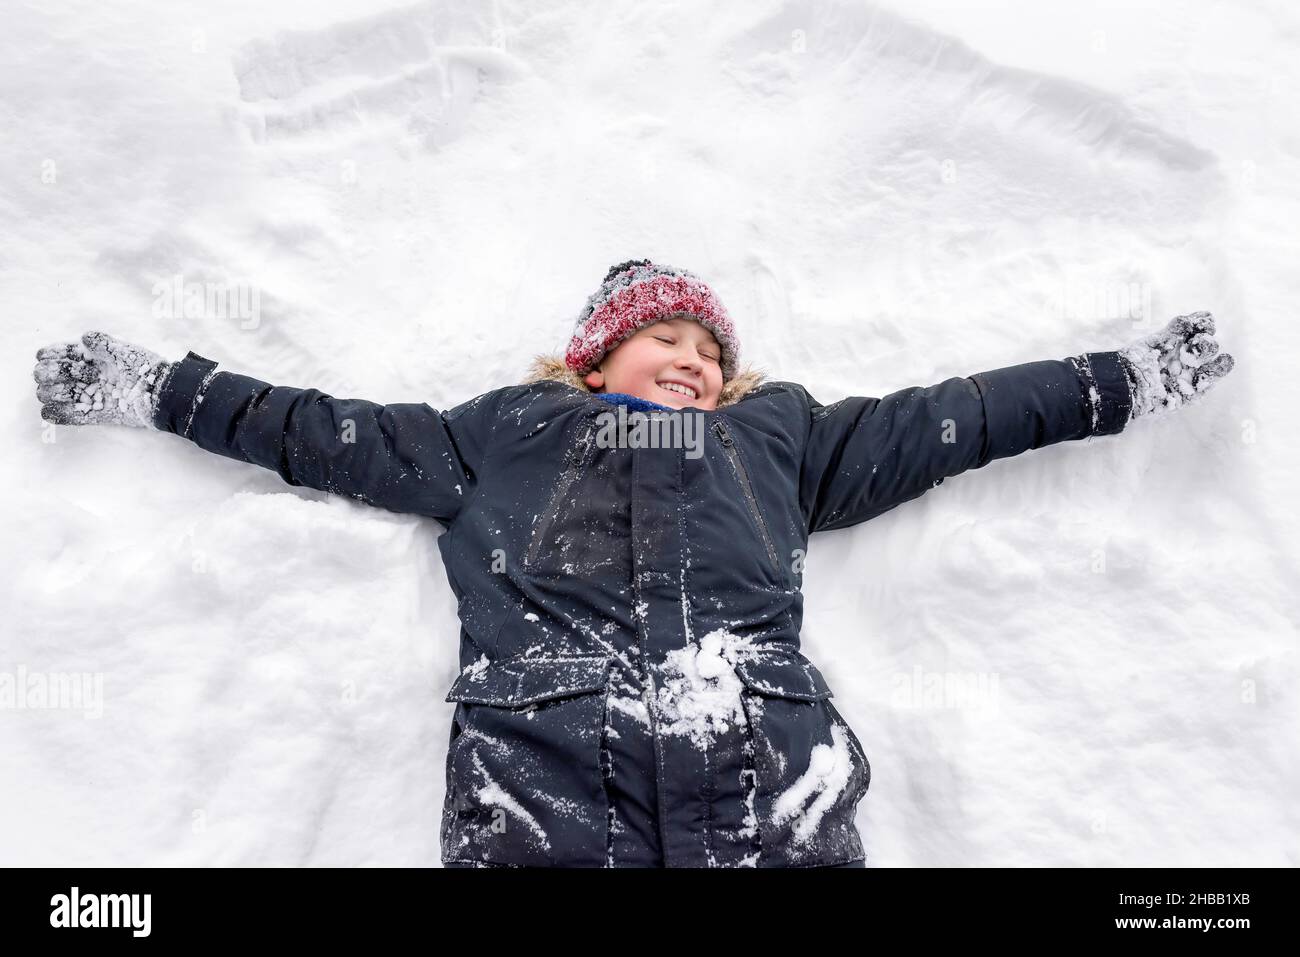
682,390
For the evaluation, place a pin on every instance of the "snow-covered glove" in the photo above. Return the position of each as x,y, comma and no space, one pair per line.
100,380
1170,368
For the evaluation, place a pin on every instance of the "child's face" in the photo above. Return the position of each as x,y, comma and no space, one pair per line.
671,350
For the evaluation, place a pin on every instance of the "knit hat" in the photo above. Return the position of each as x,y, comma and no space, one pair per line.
639,293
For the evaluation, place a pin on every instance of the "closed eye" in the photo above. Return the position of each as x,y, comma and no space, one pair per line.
670,341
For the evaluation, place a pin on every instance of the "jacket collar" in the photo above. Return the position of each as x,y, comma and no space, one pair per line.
552,367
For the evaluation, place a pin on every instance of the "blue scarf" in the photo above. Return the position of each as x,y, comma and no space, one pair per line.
633,403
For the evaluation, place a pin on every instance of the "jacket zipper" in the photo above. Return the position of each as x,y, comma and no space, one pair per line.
573,467
729,446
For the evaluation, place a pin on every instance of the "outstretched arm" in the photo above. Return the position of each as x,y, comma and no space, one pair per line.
404,457
865,456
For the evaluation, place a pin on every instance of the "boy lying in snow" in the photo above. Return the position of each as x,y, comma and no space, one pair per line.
632,691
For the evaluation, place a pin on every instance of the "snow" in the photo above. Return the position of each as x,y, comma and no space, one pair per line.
814,792
423,196
475,670
699,694
494,793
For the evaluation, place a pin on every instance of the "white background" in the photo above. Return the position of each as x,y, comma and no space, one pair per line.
884,196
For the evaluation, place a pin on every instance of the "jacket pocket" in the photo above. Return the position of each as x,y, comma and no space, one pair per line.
576,460
737,461
524,774
810,768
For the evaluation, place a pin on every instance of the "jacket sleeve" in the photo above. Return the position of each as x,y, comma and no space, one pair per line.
865,456
404,457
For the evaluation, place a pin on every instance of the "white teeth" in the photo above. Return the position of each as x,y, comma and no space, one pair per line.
674,387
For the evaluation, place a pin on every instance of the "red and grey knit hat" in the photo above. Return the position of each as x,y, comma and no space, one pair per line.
639,293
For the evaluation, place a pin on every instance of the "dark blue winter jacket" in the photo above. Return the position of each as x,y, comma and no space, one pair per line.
632,690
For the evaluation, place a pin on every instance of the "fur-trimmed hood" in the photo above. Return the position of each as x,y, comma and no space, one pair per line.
553,367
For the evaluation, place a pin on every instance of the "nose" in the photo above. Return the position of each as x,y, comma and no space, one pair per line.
689,360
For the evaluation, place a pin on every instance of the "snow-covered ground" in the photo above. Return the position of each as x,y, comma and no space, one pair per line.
421,197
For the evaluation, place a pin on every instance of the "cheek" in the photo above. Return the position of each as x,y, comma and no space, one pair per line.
650,368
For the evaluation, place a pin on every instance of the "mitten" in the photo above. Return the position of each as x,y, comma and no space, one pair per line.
99,380
1170,368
